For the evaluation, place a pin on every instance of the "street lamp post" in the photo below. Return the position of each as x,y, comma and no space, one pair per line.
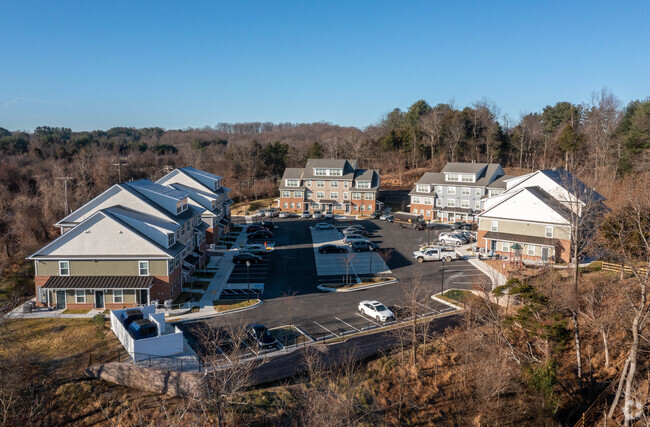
248,278
442,281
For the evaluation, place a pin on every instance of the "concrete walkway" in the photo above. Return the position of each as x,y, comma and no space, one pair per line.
497,278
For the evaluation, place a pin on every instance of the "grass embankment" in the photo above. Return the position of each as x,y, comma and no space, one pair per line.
455,296
251,206
226,305
17,282
365,282
186,296
76,311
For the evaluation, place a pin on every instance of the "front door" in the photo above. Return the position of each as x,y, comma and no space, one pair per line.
143,297
60,300
493,245
99,299
545,254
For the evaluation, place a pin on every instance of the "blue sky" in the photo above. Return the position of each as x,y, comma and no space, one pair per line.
94,65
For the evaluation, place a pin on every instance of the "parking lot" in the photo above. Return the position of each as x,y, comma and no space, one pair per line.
291,296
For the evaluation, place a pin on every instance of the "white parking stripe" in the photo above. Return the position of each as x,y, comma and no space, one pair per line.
325,328
368,319
347,324
433,310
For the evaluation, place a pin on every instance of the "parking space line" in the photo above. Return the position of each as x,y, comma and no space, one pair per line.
221,351
325,328
368,319
359,330
426,306
249,347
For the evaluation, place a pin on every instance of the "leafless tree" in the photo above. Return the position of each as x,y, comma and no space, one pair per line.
603,115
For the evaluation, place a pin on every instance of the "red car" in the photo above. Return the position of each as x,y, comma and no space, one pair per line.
253,228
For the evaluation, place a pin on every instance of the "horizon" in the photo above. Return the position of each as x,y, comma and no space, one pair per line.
90,66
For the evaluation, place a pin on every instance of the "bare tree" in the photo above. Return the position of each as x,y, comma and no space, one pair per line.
603,115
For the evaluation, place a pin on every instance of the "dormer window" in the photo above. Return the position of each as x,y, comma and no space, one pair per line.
423,188
467,178
179,207
293,183
217,185
452,177
320,172
363,184
170,240
336,172
214,204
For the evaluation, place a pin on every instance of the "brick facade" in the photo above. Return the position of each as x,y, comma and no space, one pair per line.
428,214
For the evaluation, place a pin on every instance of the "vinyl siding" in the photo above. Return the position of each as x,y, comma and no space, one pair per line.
528,229
103,268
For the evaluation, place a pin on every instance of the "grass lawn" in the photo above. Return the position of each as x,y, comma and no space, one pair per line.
76,311
455,296
186,296
365,282
227,305
288,335
594,266
18,282
253,205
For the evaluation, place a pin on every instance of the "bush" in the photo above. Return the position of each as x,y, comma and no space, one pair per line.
99,319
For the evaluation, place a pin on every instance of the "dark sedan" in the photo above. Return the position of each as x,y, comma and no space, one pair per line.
253,228
332,249
245,256
261,337
260,235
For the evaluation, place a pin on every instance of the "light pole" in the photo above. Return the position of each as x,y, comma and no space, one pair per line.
370,255
248,278
442,281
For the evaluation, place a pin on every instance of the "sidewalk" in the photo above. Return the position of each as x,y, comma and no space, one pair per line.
497,278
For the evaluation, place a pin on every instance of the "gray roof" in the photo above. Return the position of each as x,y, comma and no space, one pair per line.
293,173
521,238
551,202
500,182
573,185
459,167
193,170
348,167
434,178
145,184
99,282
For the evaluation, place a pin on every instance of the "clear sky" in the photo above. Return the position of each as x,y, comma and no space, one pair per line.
94,65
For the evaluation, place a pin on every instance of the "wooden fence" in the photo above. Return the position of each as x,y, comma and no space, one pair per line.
608,266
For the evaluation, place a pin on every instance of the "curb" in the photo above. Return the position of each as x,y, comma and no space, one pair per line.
447,303
217,314
325,288
491,274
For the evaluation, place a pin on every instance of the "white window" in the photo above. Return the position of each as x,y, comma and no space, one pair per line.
143,268
179,207
118,296
336,172
170,266
549,231
494,226
438,202
363,207
428,214
428,201
177,261
477,205
346,184
293,183
334,194
291,205
422,188
297,194
64,268
286,205
363,184
464,204
369,196
320,172
356,208
334,184
309,183
451,190
451,203
345,195
531,250
320,194
320,184
479,192
464,191
467,178
80,296
356,196
452,177
439,189
416,200
297,205
286,193
506,246
421,211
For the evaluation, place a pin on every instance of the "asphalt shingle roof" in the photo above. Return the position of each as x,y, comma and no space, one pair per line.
99,282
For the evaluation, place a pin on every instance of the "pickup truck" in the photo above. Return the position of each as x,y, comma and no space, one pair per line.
435,254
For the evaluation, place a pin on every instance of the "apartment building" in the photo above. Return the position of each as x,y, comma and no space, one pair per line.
330,185
536,213
455,193
136,242
205,192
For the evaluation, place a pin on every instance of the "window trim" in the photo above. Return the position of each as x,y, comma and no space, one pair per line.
548,227
83,295
451,190
68,268
121,293
140,268
494,226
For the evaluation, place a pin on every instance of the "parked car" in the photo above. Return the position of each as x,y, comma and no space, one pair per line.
262,212
458,224
468,235
260,235
355,230
376,310
451,239
328,215
390,218
305,214
385,215
253,228
261,337
241,258
317,215
353,238
375,215
332,249
253,248
272,213
323,226
285,214
363,246
435,254
266,225
469,226
357,226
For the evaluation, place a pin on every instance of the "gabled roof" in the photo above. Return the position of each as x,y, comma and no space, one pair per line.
500,182
461,167
105,235
191,170
293,173
531,209
145,185
565,180
348,167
